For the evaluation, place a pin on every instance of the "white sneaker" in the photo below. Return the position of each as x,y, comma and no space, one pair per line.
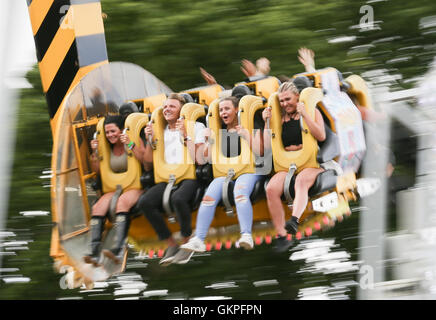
183,256
246,241
194,244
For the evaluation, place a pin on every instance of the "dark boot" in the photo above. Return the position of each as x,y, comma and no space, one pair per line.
96,230
282,244
292,225
122,224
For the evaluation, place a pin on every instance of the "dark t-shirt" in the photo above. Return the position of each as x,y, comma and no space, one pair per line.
291,133
231,141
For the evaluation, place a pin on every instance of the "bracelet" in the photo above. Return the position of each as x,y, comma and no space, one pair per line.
186,139
131,145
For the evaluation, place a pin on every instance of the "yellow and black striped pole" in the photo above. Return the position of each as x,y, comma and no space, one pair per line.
70,42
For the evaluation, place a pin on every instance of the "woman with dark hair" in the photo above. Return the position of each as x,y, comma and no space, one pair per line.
113,127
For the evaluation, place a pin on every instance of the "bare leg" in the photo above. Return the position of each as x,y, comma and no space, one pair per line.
101,207
274,191
304,180
128,199
122,223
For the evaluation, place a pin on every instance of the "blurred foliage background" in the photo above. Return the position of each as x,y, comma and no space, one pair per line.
172,39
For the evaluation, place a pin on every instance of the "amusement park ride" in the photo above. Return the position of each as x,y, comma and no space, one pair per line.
82,87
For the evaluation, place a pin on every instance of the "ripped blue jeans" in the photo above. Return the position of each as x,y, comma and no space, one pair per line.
244,185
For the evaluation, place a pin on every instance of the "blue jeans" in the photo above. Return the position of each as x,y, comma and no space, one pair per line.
244,185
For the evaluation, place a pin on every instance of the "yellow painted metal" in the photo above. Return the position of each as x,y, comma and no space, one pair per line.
186,170
360,90
306,157
245,162
316,76
153,102
263,87
205,95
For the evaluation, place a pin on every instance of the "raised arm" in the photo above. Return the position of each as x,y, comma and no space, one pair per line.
307,58
210,79
203,154
148,151
266,114
137,150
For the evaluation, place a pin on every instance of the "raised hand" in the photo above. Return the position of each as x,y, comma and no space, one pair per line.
148,130
242,132
94,144
307,58
301,109
207,77
180,126
248,68
266,113
124,138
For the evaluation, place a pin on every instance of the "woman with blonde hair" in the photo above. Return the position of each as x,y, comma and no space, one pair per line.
292,111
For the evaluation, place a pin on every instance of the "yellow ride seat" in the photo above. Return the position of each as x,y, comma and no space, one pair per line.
341,114
163,170
360,90
305,157
130,179
153,102
245,161
264,87
205,95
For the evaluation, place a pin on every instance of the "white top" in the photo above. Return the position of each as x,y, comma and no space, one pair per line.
174,145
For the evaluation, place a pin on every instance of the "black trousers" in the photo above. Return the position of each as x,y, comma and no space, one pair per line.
150,204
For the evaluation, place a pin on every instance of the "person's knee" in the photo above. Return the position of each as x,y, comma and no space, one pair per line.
97,210
146,202
242,198
302,182
123,205
272,191
179,200
208,201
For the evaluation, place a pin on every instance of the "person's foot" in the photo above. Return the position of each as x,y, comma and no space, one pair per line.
116,257
183,256
90,259
292,225
194,244
246,241
169,255
282,244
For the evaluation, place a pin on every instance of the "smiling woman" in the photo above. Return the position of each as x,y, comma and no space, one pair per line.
292,111
118,163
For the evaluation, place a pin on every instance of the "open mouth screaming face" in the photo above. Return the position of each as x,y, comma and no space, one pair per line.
228,113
